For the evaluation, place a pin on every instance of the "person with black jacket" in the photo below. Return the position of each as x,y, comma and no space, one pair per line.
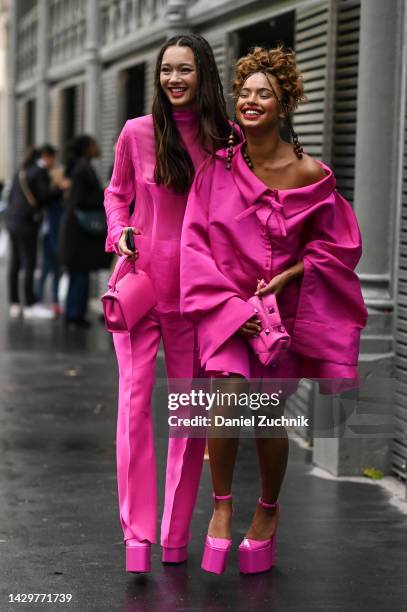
83,232
30,195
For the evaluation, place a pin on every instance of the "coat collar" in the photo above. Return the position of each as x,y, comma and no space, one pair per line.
293,201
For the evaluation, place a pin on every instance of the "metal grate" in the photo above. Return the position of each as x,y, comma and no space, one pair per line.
345,107
149,82
219,47
311,47
110,129
399,444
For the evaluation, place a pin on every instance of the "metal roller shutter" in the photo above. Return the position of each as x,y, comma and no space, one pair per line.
225,51
399,444
149,82
346,79
108,135
311,47
110,128
219,46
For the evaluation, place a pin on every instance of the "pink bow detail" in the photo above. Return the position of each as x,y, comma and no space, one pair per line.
271,201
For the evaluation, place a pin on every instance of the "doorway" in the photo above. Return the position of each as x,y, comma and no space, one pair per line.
29,124
133,84
268,34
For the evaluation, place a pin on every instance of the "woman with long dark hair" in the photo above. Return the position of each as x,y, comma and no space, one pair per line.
155,161
265,218
83,228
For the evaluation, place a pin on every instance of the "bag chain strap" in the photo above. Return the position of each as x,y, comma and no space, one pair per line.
26,190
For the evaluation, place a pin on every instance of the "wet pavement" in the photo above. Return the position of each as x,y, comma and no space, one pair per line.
341,545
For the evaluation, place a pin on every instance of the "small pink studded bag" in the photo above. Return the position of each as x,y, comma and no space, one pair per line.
273,340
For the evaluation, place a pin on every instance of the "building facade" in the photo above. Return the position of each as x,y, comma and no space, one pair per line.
79,65
4,7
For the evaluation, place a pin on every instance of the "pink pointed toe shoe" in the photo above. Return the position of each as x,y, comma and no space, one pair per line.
138,556
174,555
255,556
216,549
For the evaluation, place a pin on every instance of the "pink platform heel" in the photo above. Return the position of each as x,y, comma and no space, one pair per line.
174,555
255,556
216,549
138,556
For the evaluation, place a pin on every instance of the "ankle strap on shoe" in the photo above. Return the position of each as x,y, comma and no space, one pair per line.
222,497
264,505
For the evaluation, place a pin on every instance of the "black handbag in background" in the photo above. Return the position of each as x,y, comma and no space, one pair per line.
92,221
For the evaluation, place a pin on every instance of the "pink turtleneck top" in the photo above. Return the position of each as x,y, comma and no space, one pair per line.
158,212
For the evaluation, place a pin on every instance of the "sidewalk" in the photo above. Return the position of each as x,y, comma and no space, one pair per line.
341,545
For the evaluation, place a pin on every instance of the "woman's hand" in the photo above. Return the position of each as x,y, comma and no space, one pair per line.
277,284
252,327
122,244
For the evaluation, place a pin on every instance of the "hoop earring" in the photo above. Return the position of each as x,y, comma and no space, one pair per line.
231,142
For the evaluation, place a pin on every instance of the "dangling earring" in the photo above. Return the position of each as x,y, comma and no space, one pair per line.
298,150
231,142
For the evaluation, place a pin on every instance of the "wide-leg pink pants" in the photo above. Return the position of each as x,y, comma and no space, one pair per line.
136,469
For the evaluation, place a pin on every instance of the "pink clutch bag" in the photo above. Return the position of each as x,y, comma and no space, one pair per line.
273,340
128,299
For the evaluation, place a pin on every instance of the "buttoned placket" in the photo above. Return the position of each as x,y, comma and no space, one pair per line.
276,212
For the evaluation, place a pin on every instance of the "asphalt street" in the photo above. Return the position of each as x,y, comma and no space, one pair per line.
341,545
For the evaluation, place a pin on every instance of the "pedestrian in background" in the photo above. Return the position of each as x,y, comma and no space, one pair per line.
83,228
30,195
50,242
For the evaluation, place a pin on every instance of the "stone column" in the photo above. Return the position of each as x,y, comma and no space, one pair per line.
377,144
93,69
42,102
376,206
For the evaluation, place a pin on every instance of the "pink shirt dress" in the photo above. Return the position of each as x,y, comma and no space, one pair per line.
237,230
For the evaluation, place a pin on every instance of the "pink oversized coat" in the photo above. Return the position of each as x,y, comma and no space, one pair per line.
237,230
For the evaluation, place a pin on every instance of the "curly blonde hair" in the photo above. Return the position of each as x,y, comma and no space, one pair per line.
279,62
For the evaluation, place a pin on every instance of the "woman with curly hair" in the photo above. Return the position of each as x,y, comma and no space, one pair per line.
265,218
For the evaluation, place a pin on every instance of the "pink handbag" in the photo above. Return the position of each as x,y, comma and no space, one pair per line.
129,299
273,340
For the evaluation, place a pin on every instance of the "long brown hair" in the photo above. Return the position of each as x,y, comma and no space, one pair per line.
174,167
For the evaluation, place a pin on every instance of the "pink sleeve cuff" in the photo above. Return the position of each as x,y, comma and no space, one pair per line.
112,240
220,324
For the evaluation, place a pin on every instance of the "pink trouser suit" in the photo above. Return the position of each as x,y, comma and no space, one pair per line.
237,230
158,214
